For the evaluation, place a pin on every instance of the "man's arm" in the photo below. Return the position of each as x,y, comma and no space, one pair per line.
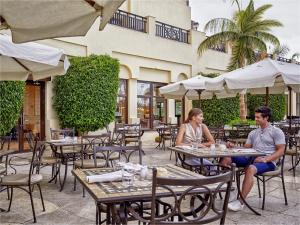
276,155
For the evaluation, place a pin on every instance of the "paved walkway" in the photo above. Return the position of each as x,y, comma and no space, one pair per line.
69,207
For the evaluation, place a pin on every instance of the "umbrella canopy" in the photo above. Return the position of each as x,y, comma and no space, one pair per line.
18,61
42,19
257,77
195,88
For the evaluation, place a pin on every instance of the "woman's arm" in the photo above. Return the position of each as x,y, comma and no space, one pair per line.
209,137
180,135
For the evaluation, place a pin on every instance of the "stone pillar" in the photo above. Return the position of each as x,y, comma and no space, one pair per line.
150,26
132,101
171,111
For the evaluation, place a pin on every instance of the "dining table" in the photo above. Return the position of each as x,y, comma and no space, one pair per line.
218,153
114,193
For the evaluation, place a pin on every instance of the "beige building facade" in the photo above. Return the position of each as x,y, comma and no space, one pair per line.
155,45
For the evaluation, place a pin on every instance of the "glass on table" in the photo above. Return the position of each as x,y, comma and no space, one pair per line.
127,178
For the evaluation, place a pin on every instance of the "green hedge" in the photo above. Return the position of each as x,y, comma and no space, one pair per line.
11,102
276,103
219,111
86,97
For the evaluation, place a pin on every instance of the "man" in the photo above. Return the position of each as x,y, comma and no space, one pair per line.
267,139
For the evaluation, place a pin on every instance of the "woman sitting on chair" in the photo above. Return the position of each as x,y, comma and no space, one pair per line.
191,133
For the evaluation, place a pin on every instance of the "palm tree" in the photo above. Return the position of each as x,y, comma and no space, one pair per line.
247,32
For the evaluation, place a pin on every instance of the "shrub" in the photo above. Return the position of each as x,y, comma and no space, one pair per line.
11,102
86,97
219,111
276,103
242,122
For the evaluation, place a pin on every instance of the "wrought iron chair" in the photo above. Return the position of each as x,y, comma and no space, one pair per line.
86,160
294,151
278,172
5,140
132,133
202,194
29,180
126,154
49,160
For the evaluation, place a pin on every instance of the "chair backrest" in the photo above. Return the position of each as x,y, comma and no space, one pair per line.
204,190
133,129
61,133
201,194
31,138
125,151
280,162
5,140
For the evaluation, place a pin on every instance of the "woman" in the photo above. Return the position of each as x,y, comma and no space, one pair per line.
191,133
193,129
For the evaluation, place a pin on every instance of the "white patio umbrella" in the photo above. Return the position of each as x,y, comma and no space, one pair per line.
31,20
195,88
18,61
264,77
268,73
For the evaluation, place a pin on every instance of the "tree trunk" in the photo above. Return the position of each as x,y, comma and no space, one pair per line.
242,107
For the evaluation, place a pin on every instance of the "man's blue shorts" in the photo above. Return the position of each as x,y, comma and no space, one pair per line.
242,161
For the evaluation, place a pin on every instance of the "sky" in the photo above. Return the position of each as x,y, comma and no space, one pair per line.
286,11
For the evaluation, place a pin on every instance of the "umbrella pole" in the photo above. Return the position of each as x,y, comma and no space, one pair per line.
183,106
267,96
290,108
199,97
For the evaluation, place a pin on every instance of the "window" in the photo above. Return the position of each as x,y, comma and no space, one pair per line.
151,106
121,110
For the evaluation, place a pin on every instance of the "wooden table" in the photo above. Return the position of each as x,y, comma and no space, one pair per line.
112,193
202,153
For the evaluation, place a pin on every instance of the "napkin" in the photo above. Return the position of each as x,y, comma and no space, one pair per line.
245,150
184,147
107,177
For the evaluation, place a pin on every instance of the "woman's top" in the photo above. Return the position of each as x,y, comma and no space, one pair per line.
191,134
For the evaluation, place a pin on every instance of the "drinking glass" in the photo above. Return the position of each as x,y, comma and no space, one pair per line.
127,178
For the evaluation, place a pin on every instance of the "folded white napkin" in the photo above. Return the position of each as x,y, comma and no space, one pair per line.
245,150
107,177
184,146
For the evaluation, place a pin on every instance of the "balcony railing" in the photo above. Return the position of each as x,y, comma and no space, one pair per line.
170,32
219,48
129,20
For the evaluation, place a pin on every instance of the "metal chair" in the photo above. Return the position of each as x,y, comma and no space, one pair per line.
202,193
278,172
86,160
29,180
126,153
294,151
132,133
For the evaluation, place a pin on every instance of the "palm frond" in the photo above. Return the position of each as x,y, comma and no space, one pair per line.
267,37
216,39
237,58
280,50
258,13
254,43
263,25
219,25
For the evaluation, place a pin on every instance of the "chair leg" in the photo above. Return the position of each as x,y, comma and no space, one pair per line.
83,192
74,185
264,193
238,182
258,186
32,204
42,199
284,191
11,196
7,190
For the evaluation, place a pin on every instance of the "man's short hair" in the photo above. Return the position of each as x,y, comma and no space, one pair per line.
265,111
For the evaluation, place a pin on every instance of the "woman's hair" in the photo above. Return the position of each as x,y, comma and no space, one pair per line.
193,112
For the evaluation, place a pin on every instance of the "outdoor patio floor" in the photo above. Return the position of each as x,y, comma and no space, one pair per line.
69,207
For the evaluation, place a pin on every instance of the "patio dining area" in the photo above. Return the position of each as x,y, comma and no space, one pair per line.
70,207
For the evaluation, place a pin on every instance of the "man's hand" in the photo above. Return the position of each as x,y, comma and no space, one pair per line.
229,144
261,159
